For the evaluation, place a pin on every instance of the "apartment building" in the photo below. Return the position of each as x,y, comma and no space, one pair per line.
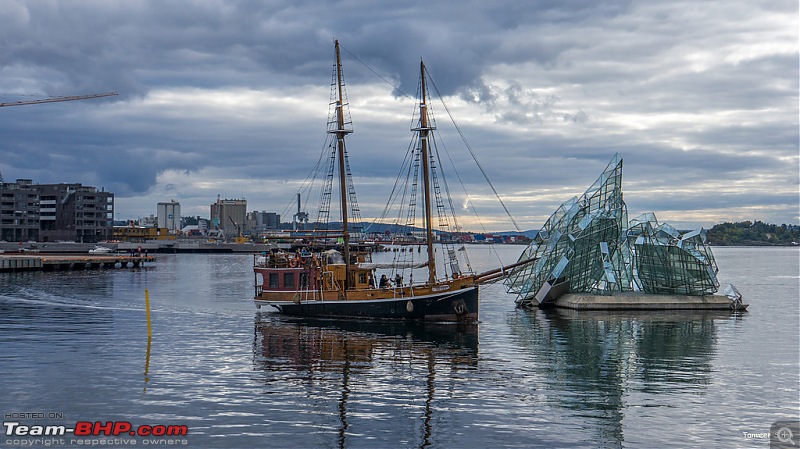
19,211
53,212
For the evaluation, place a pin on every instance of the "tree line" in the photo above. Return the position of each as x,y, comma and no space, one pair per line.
758,233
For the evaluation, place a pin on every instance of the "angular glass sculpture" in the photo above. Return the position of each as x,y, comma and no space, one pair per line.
588,246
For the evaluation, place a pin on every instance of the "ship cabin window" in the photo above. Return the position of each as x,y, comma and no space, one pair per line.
288,280
273,280
362,278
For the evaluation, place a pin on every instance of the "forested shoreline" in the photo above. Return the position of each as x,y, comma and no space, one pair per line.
746,233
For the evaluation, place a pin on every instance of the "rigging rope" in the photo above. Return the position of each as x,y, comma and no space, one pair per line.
472,153
396,88
389,203
308,181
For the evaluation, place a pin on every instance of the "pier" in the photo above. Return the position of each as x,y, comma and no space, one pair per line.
62,262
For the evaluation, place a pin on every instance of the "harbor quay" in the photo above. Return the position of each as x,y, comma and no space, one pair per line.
53,262
60,256
57,256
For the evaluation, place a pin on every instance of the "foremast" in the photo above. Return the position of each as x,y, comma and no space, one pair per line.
341,132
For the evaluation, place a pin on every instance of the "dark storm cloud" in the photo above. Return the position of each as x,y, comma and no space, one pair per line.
217,96
135,45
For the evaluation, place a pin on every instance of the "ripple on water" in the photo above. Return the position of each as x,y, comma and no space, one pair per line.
77,343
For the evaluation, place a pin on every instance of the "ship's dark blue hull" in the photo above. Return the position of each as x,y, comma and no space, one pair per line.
450,306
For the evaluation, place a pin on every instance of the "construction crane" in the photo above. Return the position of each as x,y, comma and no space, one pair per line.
57,99
239,237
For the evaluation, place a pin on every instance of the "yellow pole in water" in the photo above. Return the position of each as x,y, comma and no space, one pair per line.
147,306
149,338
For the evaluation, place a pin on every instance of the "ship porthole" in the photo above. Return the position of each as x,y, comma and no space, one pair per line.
409,306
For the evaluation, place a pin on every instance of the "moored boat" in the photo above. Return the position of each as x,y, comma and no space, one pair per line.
323,285
343,282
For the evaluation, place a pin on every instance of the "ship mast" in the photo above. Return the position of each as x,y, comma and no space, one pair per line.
424,129
340,133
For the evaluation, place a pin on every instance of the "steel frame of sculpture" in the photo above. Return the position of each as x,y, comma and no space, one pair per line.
664,261
587,245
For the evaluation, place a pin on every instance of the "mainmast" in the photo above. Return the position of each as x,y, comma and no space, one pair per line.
340,133
424,129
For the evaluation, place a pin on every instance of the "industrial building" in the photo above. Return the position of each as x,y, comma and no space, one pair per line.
263,221
228,215
55,212
169,216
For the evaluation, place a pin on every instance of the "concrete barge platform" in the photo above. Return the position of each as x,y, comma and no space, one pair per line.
13,262
644,301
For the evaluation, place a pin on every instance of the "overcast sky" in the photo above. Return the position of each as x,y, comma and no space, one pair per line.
231,98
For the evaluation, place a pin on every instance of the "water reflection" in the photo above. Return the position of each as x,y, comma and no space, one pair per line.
147,362
366,357
607,362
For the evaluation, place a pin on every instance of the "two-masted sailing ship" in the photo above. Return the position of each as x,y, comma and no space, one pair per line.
343,282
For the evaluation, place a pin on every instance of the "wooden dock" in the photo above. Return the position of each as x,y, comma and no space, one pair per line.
54,262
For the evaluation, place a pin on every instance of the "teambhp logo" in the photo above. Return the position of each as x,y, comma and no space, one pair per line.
97,428
116,428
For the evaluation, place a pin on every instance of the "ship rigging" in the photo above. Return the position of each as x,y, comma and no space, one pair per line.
343,282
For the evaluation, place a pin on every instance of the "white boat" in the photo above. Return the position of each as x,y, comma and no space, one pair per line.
100,250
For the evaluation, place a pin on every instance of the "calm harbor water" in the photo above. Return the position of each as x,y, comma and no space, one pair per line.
74,344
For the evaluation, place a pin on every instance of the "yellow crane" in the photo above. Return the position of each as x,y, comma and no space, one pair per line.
239,237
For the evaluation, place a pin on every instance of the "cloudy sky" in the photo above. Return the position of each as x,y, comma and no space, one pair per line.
231,98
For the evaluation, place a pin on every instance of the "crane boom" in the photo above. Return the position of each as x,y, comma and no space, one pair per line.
57,99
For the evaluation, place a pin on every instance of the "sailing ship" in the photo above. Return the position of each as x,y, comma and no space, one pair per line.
341,282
